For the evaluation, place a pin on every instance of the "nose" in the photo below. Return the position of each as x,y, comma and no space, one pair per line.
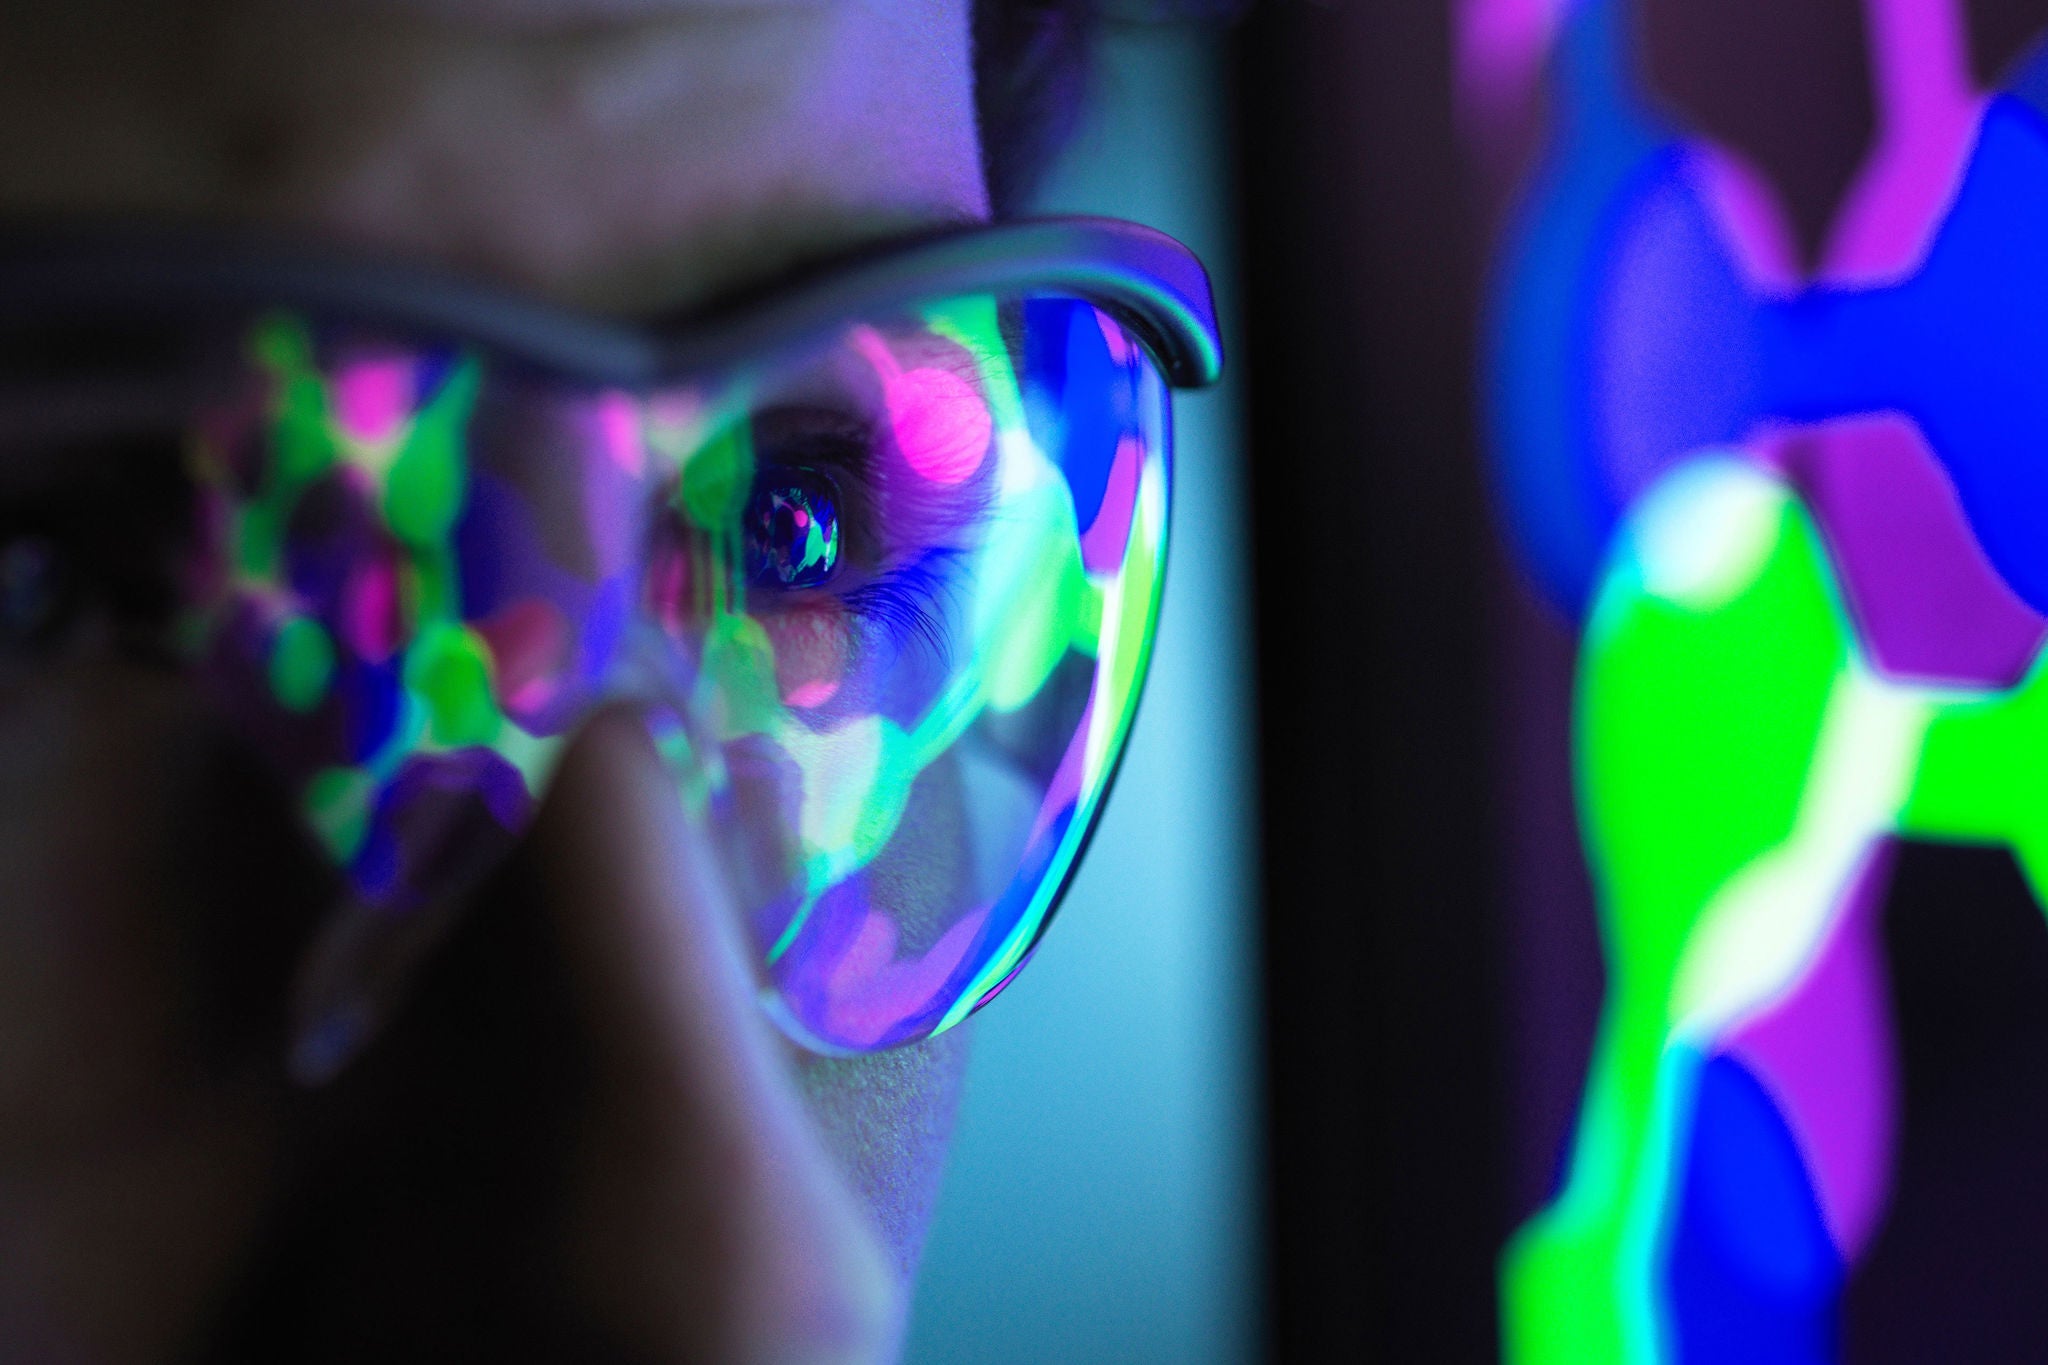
706,1220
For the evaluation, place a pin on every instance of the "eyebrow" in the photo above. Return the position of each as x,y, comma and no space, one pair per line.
730,262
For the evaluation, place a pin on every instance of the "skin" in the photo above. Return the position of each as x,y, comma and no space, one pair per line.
578,1138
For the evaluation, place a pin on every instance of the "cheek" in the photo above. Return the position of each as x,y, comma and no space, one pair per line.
138,1139
142,923
89,990
814,646
888,1118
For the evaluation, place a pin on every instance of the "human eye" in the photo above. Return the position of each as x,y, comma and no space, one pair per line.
793,537
832,525
37,605
811,500
93,549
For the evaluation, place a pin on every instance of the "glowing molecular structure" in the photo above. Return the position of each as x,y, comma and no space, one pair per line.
1805,522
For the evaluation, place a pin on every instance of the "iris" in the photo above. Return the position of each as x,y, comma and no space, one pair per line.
792,531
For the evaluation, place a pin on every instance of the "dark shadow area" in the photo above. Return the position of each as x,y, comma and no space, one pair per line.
1554,976
1787,86
1955,1271
2001,32
1370,550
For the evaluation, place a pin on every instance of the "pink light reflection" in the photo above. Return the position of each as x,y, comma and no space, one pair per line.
1105,542
372,617
372,398
528,640
618,426
1501,46
1928,110
941,425
869,992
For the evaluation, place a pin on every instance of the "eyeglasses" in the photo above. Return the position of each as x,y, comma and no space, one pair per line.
877,554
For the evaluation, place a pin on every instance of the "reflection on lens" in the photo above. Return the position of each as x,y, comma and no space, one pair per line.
885,601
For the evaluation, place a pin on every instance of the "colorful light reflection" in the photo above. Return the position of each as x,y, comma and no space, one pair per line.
1799,514
885,601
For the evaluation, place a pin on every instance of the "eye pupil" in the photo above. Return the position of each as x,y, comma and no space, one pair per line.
792,529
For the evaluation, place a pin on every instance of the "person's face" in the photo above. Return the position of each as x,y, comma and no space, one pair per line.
579,1138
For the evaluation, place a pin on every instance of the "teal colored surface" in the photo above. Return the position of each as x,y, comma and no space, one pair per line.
1101,1202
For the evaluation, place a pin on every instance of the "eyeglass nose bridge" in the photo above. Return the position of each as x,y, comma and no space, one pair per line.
418,768
419,581
419,660
418,771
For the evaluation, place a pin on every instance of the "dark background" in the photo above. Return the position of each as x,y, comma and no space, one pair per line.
1371,550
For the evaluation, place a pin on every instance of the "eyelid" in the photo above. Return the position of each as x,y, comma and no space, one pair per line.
890,514
832,427
899,535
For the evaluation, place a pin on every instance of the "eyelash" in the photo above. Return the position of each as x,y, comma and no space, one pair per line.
904,600
901,600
